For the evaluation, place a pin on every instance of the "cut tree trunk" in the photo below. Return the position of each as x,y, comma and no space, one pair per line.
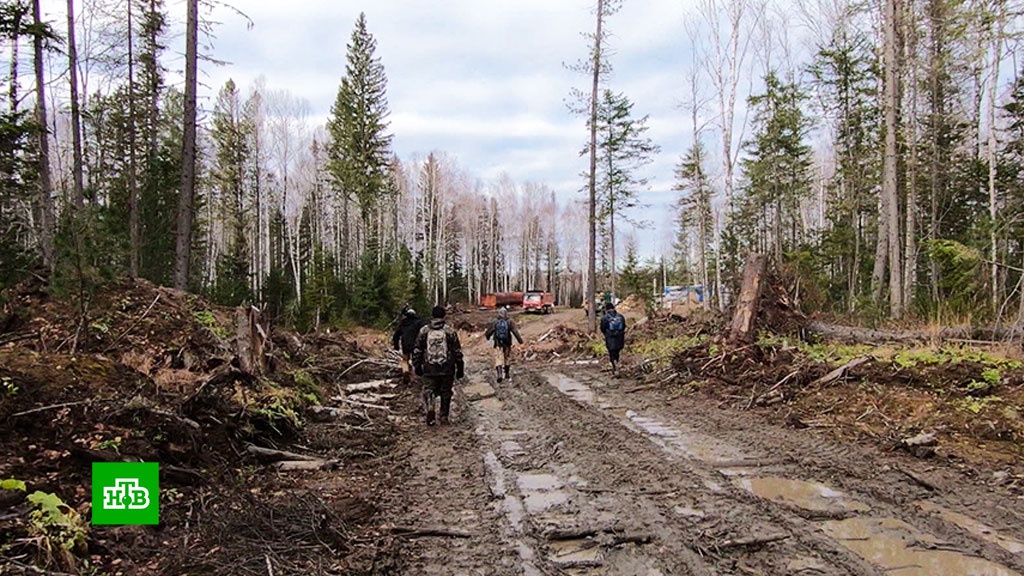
746,307
250,339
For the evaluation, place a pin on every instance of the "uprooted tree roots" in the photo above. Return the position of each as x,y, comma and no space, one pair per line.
151,374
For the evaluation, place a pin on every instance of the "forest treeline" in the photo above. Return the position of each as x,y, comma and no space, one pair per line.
884,171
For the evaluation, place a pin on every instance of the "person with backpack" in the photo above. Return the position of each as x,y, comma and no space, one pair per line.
613,326
437,359
404,339
502,331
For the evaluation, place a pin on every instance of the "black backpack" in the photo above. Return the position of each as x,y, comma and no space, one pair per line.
502,333
616,325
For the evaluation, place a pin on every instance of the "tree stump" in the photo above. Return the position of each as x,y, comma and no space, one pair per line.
746,307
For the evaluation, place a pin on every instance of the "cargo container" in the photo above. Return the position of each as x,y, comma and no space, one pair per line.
501,299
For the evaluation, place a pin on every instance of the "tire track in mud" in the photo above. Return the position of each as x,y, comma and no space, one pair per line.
900,512
444,487
643,485
560,474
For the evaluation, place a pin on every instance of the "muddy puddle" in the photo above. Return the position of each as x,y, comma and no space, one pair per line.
900,549
512,509
541,492
982,531
573,388
579,553
687,443
801,494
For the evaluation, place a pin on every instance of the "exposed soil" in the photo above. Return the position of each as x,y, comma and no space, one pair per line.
152,375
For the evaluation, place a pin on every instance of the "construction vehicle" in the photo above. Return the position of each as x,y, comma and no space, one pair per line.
538,301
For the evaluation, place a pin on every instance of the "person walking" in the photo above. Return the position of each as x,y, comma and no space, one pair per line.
437,359
502,331
404,340
613,326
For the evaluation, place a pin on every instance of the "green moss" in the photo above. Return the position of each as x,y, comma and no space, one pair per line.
597,348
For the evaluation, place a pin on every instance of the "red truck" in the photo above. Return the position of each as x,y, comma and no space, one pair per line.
537,301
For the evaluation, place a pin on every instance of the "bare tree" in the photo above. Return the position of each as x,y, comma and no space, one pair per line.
45,185
890,198
134,239
183,248
998,19
605,8
725,61
76,115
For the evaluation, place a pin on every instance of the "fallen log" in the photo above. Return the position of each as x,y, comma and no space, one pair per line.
410,532
57,407
276,455
840,372
327,411
371,385
371,398
859,335
299,465
358,404
751,541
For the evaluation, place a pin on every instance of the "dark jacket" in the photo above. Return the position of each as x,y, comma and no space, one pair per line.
611,340
512,330
406,333
456,363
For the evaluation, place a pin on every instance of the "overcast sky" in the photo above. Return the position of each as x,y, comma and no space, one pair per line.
483,80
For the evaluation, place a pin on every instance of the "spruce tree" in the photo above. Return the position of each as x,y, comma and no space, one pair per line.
623,149
360,149
695,209
777,170
231,136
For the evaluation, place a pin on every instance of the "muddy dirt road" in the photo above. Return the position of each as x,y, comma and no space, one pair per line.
566,470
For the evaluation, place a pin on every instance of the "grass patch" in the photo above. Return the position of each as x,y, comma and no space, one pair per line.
661,350
207,319
827,352
953,355
977,405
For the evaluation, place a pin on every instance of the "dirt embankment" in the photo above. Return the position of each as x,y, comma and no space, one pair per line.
156,375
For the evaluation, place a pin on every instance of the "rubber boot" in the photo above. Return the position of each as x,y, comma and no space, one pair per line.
446,406
508,373
499,373
430,417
